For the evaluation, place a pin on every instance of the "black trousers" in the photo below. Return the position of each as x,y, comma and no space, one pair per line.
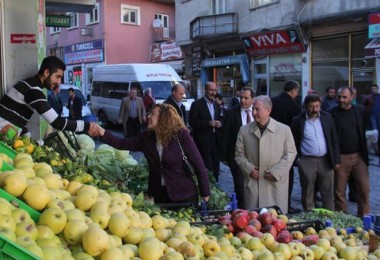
211,157
133,127
164,199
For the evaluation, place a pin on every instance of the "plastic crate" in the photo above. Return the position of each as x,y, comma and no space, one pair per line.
303,225
4,148
63,142
34,214
10,250
137,186
277,208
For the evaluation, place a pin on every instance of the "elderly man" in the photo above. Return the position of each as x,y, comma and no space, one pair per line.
265,151
235,118
178,92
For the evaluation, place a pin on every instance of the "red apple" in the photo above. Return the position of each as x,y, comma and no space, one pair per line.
231,228
256,224
269,229
225,221
240,221
257,234
241,234
284,236
253,214
279,224
250,229
310,240
238,211
265,218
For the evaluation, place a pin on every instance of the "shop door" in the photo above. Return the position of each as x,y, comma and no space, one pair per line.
261,77
362,81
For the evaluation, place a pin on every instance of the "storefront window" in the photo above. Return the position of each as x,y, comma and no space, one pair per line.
331,66
283,68
227,79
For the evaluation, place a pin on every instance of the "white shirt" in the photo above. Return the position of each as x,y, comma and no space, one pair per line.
244,115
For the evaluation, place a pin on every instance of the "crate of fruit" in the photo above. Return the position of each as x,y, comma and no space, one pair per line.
4,148
11,251
303,225
34,214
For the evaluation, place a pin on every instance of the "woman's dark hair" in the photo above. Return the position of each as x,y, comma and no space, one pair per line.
53,64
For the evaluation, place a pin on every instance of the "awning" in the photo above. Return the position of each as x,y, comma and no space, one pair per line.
372,49
176,64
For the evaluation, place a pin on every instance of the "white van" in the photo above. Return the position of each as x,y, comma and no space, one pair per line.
111,83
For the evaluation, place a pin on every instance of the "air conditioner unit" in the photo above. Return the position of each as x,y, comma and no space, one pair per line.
165,33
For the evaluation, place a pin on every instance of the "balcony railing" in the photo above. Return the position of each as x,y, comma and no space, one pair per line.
211,25
163,34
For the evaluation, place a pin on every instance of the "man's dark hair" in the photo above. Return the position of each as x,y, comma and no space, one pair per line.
70,90
328,89
290,85
53,64
311,98
253,93
375,85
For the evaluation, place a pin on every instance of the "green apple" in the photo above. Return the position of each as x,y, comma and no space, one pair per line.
26,230
74,230
329,256
36,250
196,239
220,255
254,244
318,251
6,220
267,239
307,254
127,251
294,248
54,218
112,253
8,233
187,249
245,253
228,249
21,215
51,252
324,243
235,242
348,253
211,247
284,250
135,249
173,242
266,255
75,214
278,256
173,255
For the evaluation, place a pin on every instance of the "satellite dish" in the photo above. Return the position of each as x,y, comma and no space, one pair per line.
157,23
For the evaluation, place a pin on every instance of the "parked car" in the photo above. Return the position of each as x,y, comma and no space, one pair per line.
64,95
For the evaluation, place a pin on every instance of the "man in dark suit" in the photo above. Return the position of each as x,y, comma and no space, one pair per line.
285,108
350,121
235,118
74,105
318,152
178,91
235,100
204,119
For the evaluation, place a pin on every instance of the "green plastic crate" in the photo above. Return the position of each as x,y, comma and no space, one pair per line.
7,150
34,214
6,167
9,250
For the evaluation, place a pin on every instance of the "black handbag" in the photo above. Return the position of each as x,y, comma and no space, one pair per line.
187,165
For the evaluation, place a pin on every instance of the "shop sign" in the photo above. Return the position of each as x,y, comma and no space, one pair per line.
285,69
23,38
276,42
374,25
165,51
54,20
372,49
223,61
86,52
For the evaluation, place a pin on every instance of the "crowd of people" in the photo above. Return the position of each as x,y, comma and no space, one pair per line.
260,138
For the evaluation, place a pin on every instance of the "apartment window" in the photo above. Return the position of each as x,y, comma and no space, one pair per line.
74,22
164,19
54,30
260,3
218,6
93,17
130,14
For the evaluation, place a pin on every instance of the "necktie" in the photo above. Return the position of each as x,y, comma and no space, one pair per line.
248,116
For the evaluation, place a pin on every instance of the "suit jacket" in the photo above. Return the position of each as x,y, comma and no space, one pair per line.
199,119
125,110
285,108
180,110
179,185
272,151
231,126
329,131
361,118
77,108
234,102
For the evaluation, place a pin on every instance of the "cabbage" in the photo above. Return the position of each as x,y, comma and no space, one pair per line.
130,161
106,148
85,142
121,154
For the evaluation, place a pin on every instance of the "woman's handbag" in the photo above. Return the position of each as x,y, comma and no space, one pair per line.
187,166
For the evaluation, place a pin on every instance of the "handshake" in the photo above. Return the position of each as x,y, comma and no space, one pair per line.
96,130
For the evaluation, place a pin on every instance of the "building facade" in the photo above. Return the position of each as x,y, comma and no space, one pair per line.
125,31
263,43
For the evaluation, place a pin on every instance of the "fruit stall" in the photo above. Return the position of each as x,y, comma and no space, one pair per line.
67,199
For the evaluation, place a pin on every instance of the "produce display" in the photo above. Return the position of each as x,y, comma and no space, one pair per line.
80,220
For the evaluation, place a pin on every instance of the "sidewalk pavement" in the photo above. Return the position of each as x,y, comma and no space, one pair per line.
226,184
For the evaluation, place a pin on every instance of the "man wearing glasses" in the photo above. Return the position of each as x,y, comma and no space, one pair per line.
204,119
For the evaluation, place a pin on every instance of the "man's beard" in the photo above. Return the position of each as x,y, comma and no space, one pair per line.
47,83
